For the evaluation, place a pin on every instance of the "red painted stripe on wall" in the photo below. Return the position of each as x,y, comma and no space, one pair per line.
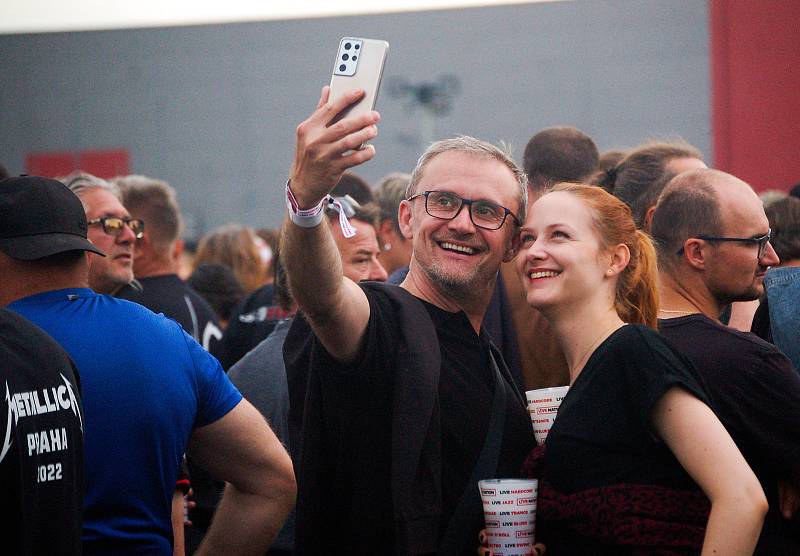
755,49
103,163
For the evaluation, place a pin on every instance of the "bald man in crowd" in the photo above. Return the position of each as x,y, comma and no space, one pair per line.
713,247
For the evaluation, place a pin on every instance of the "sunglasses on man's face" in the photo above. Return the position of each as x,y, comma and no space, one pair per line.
113,225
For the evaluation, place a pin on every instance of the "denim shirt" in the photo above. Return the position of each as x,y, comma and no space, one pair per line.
783,293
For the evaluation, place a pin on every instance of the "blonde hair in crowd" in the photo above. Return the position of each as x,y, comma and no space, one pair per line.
234,246
636,298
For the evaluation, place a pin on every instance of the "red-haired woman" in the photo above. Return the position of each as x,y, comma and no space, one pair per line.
636,462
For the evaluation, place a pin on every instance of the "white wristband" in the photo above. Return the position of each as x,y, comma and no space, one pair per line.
305,218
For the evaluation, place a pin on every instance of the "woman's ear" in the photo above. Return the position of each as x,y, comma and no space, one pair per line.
620,257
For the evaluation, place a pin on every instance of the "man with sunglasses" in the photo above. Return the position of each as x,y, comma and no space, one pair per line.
713,249
405,401
150,392
111,229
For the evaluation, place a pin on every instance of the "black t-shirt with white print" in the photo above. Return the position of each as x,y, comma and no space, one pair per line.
41,436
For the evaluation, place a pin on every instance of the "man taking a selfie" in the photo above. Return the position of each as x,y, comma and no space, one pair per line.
404,400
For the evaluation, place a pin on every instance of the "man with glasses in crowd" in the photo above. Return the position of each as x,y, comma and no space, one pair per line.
713,249
111,229
403,386
150,392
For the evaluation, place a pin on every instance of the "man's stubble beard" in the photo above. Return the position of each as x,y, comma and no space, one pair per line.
723,297
460,288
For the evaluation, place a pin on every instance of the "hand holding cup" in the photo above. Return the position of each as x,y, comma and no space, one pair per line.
509,510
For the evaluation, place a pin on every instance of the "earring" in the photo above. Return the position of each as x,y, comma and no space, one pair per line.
609,272
387,246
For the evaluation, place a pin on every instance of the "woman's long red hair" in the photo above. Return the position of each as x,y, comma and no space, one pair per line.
637,290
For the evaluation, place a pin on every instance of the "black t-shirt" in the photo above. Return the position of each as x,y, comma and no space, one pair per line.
345,501
466,390
41,436
756,394
252,320
170,295
497,322
603,439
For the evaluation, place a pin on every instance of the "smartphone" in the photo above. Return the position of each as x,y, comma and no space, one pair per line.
359,64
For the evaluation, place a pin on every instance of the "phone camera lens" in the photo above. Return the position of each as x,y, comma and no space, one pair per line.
355,58
358,46
342,67
345,57
347,46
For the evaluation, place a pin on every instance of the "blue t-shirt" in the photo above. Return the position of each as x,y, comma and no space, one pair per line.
146,385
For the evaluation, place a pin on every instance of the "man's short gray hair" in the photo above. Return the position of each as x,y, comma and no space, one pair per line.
80,181
474,147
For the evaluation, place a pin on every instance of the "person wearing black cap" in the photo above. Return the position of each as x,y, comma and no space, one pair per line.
150,392
32,230
41,443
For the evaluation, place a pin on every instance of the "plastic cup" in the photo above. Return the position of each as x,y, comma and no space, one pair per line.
543,406
509,509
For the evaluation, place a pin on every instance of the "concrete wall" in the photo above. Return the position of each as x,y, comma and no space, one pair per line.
212,109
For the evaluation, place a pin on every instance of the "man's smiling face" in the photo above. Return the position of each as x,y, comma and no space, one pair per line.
455,255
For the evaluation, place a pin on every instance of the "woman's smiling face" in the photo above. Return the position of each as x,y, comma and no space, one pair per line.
561,260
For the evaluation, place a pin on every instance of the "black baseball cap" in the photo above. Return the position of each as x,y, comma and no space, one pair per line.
40,217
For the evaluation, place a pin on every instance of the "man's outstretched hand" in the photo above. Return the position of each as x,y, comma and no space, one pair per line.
323,153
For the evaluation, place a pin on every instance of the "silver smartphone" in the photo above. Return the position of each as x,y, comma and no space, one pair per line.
359,64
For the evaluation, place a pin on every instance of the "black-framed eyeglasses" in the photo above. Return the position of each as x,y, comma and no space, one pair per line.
762,241
484,214
113,225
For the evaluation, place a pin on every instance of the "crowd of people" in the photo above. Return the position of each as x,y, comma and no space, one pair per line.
343,383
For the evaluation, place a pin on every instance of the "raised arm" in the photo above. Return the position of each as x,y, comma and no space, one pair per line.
707,452
178,543
241,449
336,308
